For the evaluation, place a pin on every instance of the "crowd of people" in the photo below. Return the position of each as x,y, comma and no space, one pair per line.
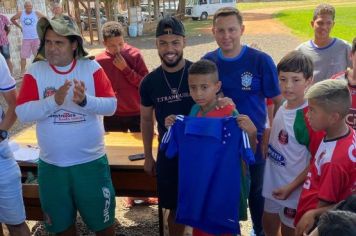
295,171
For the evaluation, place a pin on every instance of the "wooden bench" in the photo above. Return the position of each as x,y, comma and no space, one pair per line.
129,178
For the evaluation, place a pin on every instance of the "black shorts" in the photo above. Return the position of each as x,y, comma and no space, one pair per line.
122,123
167,181
5,51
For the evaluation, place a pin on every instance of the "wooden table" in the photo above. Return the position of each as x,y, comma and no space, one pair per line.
129,178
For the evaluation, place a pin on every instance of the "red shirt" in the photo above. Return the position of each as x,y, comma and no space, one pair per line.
222,112
125,83
332,174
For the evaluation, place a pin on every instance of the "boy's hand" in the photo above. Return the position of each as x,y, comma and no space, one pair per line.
120,62
246,124
169,120
78,91
305,224
150,165
62,92
281,193
223,102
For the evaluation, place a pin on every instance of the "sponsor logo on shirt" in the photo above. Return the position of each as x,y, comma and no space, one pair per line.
63,116
246,80
173,98
283,137
275,156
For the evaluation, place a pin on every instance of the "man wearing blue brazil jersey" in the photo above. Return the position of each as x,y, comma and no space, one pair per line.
248,76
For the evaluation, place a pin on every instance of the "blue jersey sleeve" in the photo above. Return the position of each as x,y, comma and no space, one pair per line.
169,144
247,153
270,78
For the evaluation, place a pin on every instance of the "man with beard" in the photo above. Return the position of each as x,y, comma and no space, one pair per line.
165,91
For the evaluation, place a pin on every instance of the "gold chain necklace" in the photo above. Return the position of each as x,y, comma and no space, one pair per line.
174,91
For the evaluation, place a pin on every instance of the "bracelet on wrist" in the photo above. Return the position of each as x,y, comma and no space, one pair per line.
84,102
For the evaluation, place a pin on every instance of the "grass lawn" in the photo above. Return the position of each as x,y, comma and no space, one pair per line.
299,21
197,27
290,4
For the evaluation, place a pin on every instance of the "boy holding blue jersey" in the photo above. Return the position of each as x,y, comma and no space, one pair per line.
290,146
204,84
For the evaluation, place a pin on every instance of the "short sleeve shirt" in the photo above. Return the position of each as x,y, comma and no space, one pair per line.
3,36
155,91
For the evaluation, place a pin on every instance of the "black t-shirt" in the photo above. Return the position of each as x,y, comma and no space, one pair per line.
156,92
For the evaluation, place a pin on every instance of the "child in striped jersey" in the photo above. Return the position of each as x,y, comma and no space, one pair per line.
291,143
204,85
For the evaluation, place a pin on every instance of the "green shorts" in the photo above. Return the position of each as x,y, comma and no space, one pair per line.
86,188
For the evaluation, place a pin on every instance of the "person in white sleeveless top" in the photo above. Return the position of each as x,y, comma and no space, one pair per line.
28,21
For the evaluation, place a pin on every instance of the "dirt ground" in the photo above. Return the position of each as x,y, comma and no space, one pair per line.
270,35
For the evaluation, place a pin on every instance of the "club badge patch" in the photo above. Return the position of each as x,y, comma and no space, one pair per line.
283,137
49,91
246,80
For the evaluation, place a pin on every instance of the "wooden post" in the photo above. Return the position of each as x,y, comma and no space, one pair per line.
149,11
98,21
76,12
89,23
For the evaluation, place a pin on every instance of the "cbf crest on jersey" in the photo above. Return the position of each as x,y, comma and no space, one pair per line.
246,80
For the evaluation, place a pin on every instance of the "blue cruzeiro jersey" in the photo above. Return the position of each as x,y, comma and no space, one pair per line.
209,171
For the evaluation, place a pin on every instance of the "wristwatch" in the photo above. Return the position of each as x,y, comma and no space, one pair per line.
3,134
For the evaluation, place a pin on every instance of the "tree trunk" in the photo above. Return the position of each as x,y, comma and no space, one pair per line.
181,9
109,9
156,9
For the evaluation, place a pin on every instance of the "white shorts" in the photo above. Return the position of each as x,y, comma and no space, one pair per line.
286,215
12,211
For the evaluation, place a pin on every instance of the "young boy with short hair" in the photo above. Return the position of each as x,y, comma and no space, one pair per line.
125,67
289,148
332,174
204,85
340,223
330,55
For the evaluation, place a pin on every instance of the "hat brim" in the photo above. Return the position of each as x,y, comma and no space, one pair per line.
57,27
